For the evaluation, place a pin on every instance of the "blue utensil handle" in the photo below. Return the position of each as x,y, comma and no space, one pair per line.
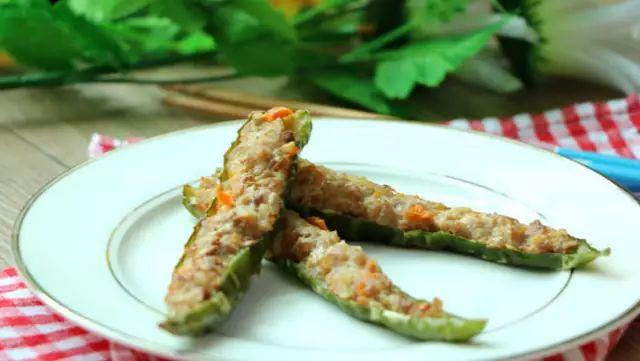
598,158
627,177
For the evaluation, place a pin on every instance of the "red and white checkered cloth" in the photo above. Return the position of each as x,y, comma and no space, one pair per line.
611,127
30,330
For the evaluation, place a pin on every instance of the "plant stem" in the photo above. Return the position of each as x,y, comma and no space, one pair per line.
93,73
134,80
318,13
365,50
54,78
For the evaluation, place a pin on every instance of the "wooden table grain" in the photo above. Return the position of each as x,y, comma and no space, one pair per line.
44,132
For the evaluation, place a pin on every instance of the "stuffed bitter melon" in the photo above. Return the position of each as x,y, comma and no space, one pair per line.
361,210
346,276
229,242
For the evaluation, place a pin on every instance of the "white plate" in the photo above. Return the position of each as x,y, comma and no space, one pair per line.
98,244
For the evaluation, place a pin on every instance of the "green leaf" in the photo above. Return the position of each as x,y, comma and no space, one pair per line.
424,12
33,38
397,78
426,62
187,15
147,34
271,18
59,39
364,51
248,44
42,4
262,57
351,86
316,10
98,45
195,43
101,10
314,56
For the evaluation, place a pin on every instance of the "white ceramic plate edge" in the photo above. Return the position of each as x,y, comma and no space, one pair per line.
159,349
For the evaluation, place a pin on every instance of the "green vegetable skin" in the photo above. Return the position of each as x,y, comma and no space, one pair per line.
445,328
360,230
212,312
357,229
187,194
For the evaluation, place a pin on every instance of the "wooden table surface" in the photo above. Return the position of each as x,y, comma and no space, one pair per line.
44,132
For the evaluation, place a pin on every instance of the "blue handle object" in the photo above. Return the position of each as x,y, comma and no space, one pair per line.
598,157
627,177
622,170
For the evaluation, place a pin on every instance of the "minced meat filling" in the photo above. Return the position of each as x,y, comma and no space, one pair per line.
249,199
323,189
346,270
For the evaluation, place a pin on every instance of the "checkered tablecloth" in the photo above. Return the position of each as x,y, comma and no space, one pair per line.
29,330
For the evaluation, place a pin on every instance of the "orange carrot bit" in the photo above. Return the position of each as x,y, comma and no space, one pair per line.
294,150
277,113
361,290
424,307
290,149
371,266
318,222
417,213
224,198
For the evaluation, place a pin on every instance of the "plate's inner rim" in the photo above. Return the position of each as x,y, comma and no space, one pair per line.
118,233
